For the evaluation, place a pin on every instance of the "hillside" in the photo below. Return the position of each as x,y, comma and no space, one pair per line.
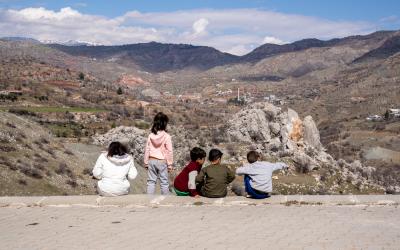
32,162
157,57
154,57
390,47
85,92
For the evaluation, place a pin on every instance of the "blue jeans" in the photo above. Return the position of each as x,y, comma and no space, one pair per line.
157,170
251,191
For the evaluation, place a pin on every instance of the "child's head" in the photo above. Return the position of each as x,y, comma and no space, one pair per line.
253,156
198,155
116,148
215,156
160,122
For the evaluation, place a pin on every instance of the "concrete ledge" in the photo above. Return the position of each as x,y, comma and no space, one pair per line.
171,200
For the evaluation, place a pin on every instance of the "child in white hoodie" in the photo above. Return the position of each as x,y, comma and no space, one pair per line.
158,156
112,168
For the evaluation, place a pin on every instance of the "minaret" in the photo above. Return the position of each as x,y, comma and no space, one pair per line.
238,95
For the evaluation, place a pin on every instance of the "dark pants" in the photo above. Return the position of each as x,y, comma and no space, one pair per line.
255,194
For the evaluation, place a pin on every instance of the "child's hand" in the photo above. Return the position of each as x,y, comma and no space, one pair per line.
196,196
146,166
170,168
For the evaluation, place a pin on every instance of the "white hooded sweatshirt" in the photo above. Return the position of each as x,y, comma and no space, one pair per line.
112,173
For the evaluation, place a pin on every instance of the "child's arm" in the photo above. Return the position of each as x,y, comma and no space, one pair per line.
147,152
132,173
200,177
192,183
169,152
231,175
243,170
279,165
98,168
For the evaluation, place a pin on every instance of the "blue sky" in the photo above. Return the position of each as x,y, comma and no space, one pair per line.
234,26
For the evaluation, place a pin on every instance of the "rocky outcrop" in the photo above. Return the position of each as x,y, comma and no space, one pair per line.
276,132
283,134
311,133
133,137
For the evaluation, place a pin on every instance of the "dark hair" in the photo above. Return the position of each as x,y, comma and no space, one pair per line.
160,122
214,154
197,153
253,156
117,148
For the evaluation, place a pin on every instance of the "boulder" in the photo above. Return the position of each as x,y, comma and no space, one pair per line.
133,137
311,133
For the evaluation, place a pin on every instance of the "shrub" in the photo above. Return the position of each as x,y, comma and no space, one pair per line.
68,152
72,183
87,171
39,166
4,161
21,112
81,76
44,140
22,182
51,152
63,169
10,125
29,171
5,148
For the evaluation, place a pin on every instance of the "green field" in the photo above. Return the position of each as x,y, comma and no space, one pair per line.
53,109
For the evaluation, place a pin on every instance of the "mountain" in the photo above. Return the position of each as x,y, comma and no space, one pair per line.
388,48
159,57
268,50
154,57
19,39
70,43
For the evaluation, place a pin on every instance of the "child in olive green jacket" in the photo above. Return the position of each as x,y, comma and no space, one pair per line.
214,178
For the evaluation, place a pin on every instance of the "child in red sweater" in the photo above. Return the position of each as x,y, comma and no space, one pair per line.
184,183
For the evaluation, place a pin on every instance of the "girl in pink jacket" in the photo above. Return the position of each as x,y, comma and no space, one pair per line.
158,156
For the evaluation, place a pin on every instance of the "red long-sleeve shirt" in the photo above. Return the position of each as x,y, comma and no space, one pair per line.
185,181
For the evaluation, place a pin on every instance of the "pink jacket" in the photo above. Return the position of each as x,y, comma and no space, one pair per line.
159,146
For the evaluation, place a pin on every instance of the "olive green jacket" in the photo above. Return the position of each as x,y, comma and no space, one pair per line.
214,180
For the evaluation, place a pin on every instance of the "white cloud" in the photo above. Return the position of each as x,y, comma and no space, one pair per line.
200,26
390,19
273,40
231,30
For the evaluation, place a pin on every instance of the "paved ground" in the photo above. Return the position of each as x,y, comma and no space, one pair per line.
200,225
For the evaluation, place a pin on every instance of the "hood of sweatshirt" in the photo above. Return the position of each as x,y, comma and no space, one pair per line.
120,160
158,139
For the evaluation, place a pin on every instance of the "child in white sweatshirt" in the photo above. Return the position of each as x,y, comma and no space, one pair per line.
112,169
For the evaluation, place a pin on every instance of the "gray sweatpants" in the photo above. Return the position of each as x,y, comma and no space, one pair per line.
157,169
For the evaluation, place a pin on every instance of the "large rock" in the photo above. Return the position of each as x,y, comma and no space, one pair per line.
249,126
311,133
133,137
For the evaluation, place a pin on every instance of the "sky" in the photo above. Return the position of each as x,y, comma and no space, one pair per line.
235,26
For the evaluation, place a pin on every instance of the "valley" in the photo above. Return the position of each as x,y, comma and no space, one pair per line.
56,101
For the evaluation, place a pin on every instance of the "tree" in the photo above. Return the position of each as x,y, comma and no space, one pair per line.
81,76
119,91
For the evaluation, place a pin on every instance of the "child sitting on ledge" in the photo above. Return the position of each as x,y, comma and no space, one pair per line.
111,170
214,178
185,182
258,175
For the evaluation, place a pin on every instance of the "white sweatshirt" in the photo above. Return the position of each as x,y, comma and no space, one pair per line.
260,173
112,173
